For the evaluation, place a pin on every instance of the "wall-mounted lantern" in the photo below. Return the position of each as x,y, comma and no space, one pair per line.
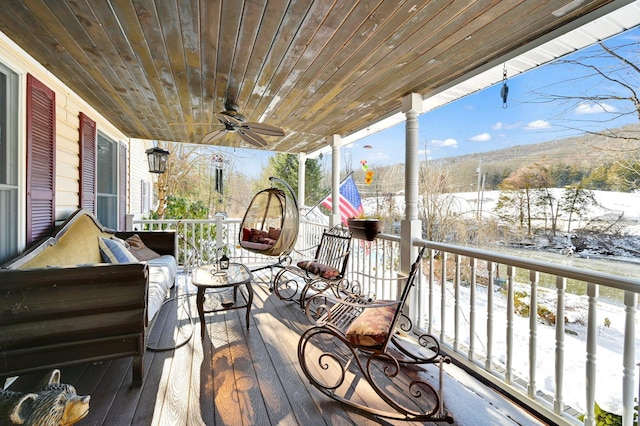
157,159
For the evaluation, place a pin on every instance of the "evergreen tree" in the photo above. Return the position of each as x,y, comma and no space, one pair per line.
285,167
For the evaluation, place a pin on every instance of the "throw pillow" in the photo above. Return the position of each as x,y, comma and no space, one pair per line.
120,240
113,251
139,249
325,271
257,236
246,234
274,233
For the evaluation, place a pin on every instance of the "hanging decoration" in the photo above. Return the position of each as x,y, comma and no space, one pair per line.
368,173
504,92
218,160
157,158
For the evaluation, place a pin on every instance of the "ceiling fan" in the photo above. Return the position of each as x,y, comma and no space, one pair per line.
233,121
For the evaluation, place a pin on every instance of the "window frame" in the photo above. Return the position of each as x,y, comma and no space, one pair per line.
10,181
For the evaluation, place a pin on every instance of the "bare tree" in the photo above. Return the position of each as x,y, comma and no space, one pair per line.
523,192
437,207
576,201
612,75
191,173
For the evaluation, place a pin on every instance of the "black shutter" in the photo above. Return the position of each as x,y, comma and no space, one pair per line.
41,159
88,162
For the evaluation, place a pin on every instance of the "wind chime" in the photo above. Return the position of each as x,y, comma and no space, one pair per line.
504,91
218,161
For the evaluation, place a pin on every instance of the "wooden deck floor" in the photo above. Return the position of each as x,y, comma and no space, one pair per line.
234,376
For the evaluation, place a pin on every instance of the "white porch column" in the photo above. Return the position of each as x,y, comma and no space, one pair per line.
410,227
302,171
336,143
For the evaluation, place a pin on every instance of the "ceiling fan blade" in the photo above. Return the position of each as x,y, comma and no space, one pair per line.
264,129
227,119
252,138
211,136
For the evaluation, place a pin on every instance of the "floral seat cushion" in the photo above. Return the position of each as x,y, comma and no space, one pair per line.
372,327
325,271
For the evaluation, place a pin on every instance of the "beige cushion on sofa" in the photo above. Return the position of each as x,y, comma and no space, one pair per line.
77,246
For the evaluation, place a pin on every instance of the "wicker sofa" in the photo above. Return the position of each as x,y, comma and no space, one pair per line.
61,304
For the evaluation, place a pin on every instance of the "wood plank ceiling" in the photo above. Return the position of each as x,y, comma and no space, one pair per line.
160,69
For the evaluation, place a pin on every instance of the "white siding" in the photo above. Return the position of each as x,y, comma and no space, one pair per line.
68,107
138,172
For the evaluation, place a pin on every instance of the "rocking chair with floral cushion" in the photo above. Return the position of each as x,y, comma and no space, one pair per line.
317,274
355,337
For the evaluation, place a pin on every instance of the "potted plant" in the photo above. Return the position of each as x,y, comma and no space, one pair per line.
365,228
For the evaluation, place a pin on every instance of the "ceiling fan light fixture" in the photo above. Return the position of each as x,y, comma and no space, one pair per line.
233,121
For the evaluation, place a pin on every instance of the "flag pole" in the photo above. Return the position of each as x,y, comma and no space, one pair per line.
327,194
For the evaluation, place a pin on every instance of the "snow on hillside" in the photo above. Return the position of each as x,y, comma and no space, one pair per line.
612,204
622,242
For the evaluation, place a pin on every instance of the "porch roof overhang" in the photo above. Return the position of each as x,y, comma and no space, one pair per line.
160,70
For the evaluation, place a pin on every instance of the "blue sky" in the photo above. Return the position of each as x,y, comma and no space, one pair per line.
479,123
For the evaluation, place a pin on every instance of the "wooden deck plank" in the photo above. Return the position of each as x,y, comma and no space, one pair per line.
178,383
282,331
233,376
174,409
275,396
154,386
227,409
129,398
249,396
359,394
200,397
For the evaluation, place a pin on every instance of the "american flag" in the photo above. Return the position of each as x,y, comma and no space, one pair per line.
350,203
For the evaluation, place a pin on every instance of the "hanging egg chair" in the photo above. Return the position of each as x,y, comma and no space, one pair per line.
270,225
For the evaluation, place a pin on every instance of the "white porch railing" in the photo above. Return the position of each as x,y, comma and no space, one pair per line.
533,356
483,318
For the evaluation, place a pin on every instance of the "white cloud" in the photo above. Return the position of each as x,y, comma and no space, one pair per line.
506,126
585,108
483,137
445,143
538,124
378,156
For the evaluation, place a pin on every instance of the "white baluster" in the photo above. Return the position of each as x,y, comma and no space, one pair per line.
488,362
533,331
592,331
511,271
628,357
558,404
472,313
456,303
443,296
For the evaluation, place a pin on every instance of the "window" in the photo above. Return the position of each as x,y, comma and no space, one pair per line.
145,196
8,163
107,199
